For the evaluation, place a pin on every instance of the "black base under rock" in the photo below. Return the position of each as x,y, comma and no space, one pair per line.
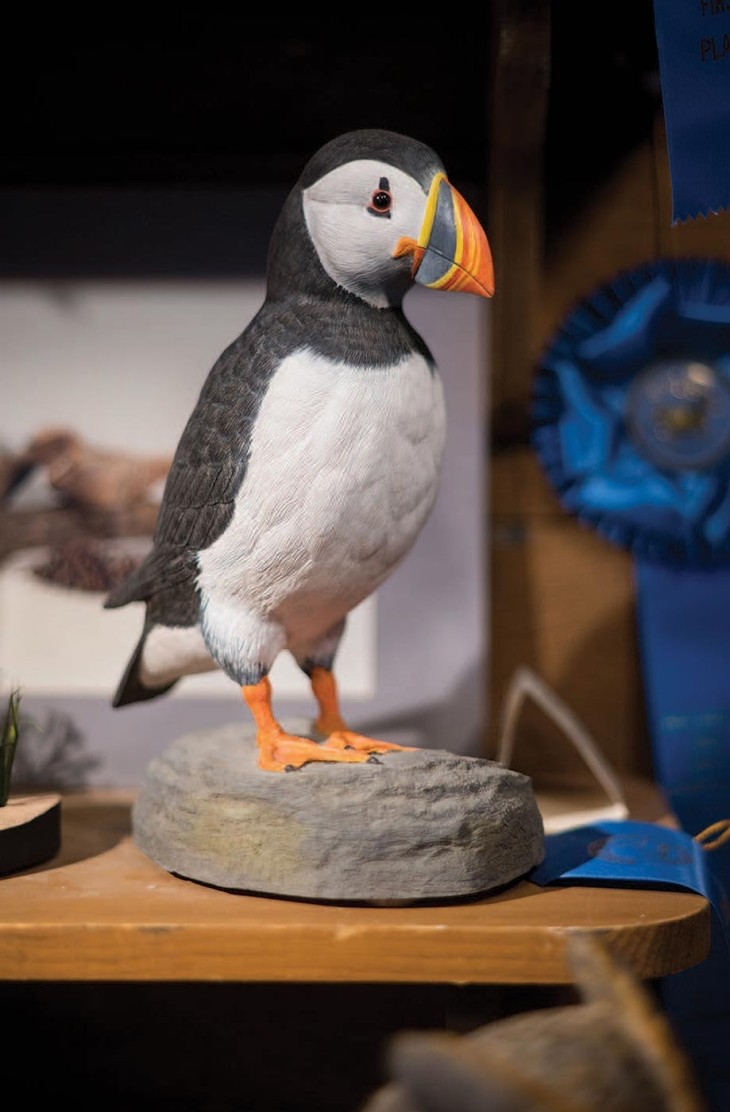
30,831
419,825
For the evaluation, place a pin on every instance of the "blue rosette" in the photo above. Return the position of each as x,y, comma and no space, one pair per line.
631,412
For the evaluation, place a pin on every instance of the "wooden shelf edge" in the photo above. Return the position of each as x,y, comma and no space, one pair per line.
111,914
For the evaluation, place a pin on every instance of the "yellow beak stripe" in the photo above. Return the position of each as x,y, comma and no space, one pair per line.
430,214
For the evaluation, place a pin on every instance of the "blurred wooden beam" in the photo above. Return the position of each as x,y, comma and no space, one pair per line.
520,37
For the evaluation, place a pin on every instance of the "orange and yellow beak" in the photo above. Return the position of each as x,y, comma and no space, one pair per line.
452,251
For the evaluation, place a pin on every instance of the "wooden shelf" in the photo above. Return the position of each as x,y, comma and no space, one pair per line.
102,911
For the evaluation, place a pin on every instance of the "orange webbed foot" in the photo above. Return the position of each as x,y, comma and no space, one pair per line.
279,751
332,726
282,752
348,740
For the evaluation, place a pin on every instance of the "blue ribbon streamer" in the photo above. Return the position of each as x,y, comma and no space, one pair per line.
693,40
635,854
684,628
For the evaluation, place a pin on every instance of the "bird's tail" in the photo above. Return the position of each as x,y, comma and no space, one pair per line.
131,689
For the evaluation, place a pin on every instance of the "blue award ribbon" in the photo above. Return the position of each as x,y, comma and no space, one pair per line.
693,41
684,625
639,855
631,423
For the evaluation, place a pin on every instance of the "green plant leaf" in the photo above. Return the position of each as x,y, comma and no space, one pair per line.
8,744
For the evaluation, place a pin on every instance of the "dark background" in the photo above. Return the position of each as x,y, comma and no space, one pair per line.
229,103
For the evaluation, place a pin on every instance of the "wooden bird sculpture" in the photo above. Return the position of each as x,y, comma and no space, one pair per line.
311,460
87,476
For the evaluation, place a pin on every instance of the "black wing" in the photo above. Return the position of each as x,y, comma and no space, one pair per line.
207,471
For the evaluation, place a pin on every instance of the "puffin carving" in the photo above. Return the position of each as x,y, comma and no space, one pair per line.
311,460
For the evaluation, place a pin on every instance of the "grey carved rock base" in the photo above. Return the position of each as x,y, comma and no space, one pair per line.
420,825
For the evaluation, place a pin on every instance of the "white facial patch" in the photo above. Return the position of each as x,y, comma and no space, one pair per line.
355,244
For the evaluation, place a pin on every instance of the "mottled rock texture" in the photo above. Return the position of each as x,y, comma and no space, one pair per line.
425,824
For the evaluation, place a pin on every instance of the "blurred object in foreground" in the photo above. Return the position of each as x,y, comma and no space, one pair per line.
613,1050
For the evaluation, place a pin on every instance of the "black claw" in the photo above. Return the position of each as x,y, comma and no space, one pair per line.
373,760
290,768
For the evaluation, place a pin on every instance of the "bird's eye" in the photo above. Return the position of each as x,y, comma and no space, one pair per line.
381,202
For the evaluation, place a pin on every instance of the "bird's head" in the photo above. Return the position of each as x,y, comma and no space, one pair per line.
379,214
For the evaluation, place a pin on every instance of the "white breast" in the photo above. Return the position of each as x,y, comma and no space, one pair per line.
342,473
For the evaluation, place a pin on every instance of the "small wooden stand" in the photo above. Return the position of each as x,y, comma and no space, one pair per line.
30,831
